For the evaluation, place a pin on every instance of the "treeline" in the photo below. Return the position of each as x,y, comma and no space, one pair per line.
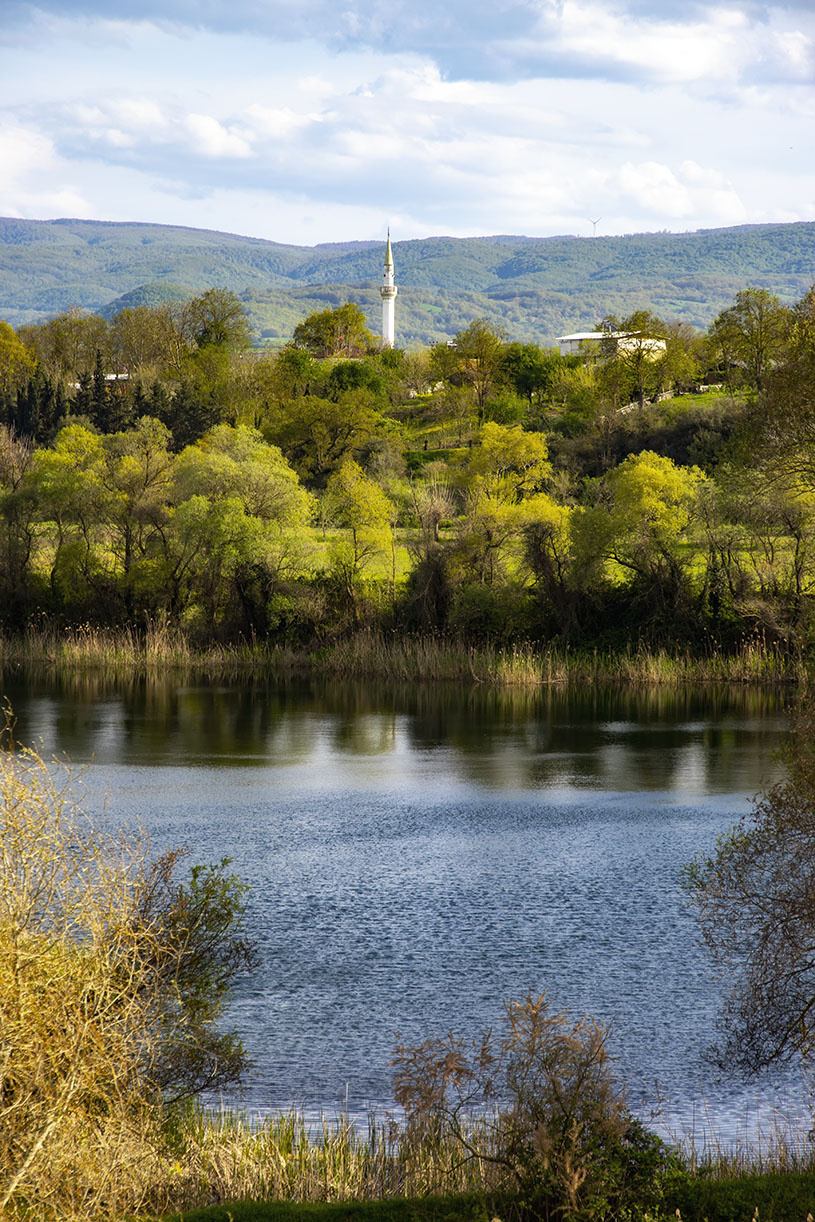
157,467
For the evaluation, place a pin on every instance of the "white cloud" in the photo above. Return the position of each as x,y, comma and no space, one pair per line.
32,181
277,122
212,139
680,194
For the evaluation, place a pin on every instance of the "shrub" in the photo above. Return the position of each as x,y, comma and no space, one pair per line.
112,976
539,1102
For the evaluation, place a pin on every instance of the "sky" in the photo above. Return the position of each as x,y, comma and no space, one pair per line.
309,121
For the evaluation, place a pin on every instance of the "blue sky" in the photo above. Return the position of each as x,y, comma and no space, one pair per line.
306,121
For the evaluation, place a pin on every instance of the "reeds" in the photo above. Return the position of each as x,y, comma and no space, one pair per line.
157,648
421,659
399,658
227,1156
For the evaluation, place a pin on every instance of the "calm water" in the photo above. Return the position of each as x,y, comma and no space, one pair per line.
417,857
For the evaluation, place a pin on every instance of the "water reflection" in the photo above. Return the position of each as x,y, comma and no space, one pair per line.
687,741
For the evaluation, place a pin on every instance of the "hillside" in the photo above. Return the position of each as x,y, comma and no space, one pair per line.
536,288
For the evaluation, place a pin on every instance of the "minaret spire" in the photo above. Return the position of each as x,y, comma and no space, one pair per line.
388,291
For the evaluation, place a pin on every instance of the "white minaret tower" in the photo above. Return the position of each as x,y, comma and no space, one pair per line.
388,293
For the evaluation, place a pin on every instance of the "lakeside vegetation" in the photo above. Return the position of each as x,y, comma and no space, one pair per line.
486,507
393,658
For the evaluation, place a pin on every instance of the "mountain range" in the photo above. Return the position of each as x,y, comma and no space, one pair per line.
534,288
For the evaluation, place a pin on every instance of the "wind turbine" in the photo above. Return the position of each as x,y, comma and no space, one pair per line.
594,225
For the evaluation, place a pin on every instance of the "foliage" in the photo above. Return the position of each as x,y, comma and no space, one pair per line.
560,1131
112,977
756,900
338,332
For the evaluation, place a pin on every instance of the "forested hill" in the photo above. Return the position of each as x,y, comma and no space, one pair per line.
536,288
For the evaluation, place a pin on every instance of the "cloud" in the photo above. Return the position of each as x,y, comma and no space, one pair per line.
479,39
31,182
212,139
678,117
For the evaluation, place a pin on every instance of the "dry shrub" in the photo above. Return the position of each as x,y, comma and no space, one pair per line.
537,1102
103,999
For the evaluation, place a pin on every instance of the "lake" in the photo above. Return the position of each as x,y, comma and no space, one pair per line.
417,857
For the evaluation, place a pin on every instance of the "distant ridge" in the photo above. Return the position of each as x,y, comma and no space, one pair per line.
536,288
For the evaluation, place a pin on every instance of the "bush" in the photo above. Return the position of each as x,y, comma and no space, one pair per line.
112,976
538,1101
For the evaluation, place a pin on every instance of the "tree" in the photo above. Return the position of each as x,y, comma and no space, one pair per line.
637,346
641,528
318,434
785,413
499,479
752,334
66,345
71,488
141,340
529,370
113,975
138,474
16,361
358,504
477,352
339,332
17,525
756,901
217,319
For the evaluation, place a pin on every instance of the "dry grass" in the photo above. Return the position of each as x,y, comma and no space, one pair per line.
230,1157
419,659
395,658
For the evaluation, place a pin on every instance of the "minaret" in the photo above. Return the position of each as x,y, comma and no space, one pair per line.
388,293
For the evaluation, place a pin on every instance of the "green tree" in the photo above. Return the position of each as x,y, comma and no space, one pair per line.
71,488
18,512
637,347
360,506
236,532
66,345
501,475
16,361
529,370
138,478
317,434
642,529
784,422
338,332
141,341
752,334
217,319
478,352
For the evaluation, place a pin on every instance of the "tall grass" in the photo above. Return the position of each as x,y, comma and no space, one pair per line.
398,658
226,1156
419,659
120,650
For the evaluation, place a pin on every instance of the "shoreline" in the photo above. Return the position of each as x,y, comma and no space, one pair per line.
394,658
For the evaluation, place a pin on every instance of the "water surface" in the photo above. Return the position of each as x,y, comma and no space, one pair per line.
417,857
